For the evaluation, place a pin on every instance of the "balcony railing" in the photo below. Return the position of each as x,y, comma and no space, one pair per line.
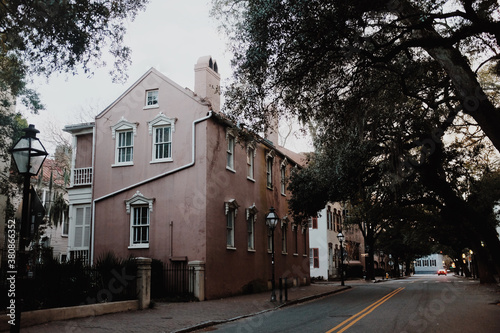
82,176
82,255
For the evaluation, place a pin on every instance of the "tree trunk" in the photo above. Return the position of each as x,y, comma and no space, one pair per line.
369,244
484,270
408,267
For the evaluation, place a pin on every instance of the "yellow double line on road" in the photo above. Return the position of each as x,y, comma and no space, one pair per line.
358,316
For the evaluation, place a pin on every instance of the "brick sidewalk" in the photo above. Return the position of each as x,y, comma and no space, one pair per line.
187,317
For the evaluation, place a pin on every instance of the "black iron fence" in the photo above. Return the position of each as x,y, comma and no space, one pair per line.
172,280
73,283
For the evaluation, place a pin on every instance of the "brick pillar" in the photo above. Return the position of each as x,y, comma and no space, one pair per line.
143,281
198,280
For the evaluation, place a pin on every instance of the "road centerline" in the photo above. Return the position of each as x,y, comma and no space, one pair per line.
358,316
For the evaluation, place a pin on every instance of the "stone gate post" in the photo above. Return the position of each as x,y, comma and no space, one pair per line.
199,279
143,281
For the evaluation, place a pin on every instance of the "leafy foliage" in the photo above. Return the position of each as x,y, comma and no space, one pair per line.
42,37
303,57
59,209
54,36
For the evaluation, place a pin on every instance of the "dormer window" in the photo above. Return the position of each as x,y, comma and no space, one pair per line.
151,98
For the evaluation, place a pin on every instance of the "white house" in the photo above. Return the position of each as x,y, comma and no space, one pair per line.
429,264
324,247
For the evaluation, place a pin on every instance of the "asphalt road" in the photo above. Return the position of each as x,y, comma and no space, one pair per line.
424,303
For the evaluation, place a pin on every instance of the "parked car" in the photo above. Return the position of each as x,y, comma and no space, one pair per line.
442,271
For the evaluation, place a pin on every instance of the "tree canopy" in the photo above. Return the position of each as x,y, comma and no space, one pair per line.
386,85
299,56
43,37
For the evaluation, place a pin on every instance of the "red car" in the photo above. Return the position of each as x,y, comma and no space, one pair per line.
442,271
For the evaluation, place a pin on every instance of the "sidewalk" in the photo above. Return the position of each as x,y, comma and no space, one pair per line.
188,317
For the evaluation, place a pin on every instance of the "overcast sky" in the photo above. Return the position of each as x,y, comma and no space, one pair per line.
170,35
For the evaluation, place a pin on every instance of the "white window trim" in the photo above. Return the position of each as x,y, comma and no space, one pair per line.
230,135
138,199
284,234
161,120
270,156
72,231
283,166
251,147
123,125
251,213
231,205
152,106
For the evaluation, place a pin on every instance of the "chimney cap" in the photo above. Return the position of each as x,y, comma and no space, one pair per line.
207,61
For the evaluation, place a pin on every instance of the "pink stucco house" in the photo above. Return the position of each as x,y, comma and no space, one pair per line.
161,174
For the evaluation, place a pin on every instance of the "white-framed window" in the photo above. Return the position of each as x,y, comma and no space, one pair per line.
314,257
124,132
65,225
284,240
81,235
139,207
269,169
125,147
251,219
151,98
162,145
250,162
231,209
283,176
304,239
161,129
295,228
140,225
230,152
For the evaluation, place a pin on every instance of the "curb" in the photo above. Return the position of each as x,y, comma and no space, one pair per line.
222,321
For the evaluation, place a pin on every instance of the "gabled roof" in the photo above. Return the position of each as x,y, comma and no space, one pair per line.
152,70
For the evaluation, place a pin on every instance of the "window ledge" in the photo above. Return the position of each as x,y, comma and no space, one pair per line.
283,194
64,236
269,251
230,169
295,254
154,106
116,165
304,255
251,250
166,160
231,248
269,187
141,246
251,179
284,253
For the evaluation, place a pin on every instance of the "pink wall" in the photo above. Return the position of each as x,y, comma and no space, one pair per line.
229,270
179,198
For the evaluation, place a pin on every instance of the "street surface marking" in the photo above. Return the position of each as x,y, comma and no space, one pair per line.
358,316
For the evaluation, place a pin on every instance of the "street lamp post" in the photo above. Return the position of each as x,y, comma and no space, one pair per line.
271,222
28,154
341,238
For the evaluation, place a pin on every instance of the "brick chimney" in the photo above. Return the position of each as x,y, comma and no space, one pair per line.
207,81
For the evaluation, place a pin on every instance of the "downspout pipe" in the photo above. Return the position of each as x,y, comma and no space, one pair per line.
142,182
